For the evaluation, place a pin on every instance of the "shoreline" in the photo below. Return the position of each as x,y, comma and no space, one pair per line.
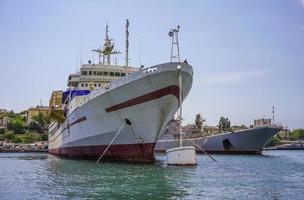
23,151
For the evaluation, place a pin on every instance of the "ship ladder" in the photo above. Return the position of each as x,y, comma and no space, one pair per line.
104,152
201,149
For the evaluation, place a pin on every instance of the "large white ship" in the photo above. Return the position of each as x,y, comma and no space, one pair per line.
115,111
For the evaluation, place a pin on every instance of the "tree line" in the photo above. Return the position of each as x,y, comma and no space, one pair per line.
20,132
224,123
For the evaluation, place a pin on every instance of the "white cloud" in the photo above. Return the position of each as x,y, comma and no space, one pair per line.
233,77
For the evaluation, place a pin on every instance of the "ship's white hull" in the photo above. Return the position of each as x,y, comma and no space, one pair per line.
250,141
148,99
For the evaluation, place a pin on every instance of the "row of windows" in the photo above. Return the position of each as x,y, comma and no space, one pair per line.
99,73
86,85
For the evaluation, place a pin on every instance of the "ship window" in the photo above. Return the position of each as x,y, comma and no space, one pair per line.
99,73
86,85
98,84
70,77
117,74
82,85
84,73
105,73
95,85
123,74
90,72
111,73
94,72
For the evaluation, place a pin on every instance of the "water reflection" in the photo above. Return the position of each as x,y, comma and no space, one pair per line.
112,180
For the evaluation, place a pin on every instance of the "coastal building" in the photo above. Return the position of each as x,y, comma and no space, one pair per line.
3,110
190,128
3,123
173,129
3,119
31,112
191,131
211,130
284,133
56,99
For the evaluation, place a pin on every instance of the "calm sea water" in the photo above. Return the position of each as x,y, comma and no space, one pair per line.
274,175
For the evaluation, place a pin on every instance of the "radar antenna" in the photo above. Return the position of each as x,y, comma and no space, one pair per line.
99,51
107,49
173,33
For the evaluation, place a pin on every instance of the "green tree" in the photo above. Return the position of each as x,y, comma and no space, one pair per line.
35,126
41,119
224,124
297,134
11,114
18,139
243,126
16,125
9,136
44,137
199,120
274,141
30,137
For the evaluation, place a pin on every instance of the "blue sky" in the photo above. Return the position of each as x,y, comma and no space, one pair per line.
247,55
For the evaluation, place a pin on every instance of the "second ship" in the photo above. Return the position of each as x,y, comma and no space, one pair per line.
248,141
118,112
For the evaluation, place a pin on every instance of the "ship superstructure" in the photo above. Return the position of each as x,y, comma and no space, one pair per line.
95,76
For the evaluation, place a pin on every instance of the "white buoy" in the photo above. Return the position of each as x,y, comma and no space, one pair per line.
180,155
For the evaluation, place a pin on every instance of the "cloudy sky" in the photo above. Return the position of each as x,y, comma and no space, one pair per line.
247,55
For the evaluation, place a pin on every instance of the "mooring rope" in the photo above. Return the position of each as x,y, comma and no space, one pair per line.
205,152
103,153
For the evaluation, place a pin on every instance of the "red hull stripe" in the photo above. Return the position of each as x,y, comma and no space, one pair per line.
173,89
78,120
132,152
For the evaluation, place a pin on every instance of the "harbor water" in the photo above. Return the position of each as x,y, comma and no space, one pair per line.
273,175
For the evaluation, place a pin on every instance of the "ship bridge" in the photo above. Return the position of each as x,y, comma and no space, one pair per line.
93,76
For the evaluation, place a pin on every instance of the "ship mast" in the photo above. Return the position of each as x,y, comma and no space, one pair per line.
179,68
127,43
173,33
108,47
